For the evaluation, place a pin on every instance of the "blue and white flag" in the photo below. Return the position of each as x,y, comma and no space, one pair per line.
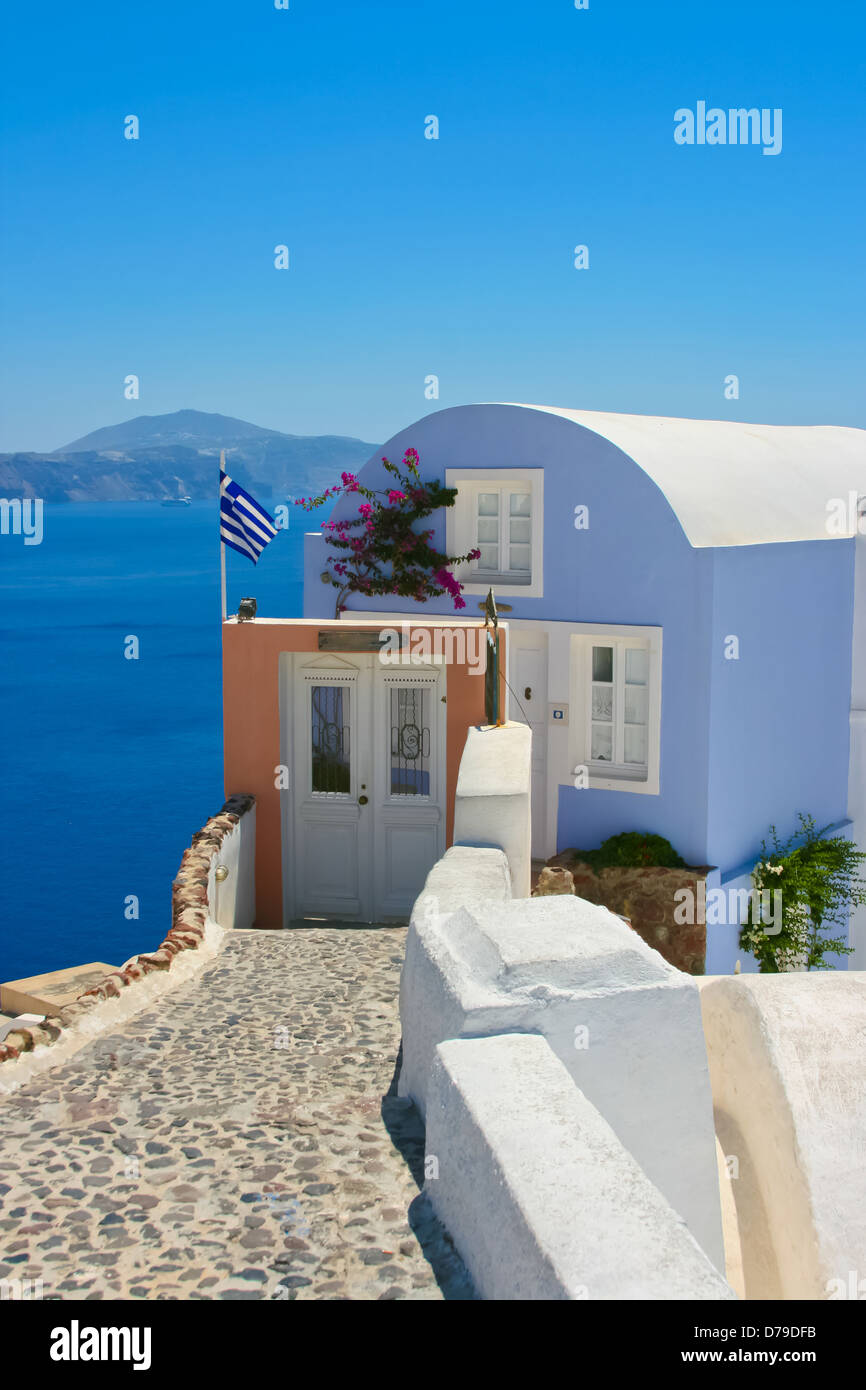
244,523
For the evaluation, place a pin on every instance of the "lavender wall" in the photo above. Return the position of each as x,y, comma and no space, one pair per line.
779,714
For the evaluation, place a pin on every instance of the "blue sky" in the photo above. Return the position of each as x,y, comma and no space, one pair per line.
410,256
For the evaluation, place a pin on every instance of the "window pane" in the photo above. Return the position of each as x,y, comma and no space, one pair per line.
410,742
602,743
329,738
635,704
488,528
520,557
488,504
602,702
636,666
520,504
519,528
635,744
602,663
489,559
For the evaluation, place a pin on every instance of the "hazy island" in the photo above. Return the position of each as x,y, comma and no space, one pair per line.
155,457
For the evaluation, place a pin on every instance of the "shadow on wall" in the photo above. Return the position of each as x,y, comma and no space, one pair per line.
406,1130
788,1076
749,1249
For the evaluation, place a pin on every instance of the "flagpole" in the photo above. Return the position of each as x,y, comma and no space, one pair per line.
222,543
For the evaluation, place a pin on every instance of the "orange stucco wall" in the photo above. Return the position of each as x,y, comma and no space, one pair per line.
251,730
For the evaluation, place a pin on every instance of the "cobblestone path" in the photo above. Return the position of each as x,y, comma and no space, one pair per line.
242,1141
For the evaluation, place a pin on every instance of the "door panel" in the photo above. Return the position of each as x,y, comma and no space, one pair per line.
329,854
408,852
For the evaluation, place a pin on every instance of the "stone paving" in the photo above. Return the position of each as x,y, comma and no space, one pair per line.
242,1141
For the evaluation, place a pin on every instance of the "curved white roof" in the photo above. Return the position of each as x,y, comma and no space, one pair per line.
739,484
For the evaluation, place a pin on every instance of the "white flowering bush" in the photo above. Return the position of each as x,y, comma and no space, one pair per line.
819,881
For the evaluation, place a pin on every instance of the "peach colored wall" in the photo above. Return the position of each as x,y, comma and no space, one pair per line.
251,732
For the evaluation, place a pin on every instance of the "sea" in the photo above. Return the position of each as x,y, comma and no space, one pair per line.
111,761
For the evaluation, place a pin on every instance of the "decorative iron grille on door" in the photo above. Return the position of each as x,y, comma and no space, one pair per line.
410,741
329,739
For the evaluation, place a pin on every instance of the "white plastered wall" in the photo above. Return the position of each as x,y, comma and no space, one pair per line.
787,1057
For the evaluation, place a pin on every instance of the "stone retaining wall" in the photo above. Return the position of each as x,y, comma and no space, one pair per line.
190,907
646,898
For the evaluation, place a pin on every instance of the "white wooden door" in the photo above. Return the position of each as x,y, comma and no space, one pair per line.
528,705
369,785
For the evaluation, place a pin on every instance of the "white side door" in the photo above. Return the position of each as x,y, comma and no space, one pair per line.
333,832
528,705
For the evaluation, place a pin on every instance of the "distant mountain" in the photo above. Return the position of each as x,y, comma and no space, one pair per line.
158,456
190,428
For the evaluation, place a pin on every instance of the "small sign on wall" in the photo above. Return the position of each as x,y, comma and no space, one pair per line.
355,639
558,714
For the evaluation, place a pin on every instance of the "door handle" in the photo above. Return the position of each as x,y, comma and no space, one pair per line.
362,800
527,694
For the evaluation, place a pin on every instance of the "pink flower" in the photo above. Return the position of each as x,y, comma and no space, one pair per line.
459,602
394,496
365,509
445,580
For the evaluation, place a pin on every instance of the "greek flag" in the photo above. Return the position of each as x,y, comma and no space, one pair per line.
244,524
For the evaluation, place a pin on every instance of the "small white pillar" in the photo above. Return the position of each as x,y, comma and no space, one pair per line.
492,806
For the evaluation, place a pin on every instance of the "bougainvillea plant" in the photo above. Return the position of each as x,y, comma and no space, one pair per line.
380,551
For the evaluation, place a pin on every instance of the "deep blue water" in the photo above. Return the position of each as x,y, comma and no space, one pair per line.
110,765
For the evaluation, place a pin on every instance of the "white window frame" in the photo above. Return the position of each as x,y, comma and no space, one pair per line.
460,532
604,776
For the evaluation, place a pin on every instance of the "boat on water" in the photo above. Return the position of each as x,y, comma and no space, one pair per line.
176,502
